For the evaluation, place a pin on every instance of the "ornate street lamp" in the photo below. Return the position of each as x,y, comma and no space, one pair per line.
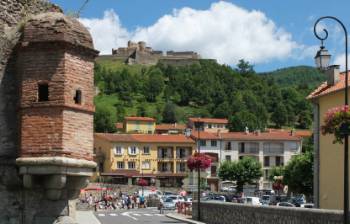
198,125
322,59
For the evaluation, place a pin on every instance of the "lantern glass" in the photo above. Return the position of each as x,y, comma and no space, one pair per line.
322,58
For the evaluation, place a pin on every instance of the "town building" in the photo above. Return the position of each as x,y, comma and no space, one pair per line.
170,128
142,125
211,145
161,159
271,148
212,125
328,156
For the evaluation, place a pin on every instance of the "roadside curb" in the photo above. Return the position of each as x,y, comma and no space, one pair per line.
182,218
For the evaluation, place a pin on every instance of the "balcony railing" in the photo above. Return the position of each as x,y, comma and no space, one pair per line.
249,150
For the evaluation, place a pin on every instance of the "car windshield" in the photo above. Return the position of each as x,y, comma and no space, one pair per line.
168,200
172,197
266,198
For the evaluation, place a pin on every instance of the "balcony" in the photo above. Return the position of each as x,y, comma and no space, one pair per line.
251,150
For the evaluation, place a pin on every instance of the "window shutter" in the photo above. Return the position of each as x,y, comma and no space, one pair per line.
177,153
129,150
137,150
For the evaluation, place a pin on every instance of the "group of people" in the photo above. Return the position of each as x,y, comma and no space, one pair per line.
116,201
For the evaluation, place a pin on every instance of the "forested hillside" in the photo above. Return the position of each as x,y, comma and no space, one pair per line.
206,89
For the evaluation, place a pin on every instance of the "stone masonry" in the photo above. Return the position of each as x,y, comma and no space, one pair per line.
46,142
228,213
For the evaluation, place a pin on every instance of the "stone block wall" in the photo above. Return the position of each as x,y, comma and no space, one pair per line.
228,213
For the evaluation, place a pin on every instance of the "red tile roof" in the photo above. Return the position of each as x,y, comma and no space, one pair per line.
144,138
170,127
204,135
325,89
139,119
263,136
209,120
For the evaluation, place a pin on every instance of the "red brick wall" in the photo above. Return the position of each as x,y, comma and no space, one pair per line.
57,127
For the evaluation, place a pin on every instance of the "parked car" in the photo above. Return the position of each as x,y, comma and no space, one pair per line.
307,205
169,204
252,200
285,204
267,199
176,198
298,200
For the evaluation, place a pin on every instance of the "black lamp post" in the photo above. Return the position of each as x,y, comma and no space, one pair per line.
322,59
198,125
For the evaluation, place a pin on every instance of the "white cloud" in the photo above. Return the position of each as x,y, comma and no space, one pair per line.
340,60
107,32
225,32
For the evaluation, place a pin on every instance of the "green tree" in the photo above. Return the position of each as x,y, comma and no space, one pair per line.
154,85
245,171
298,174
304,119
105,119
279,116
169,113
275,171
244,67
141,110
241,120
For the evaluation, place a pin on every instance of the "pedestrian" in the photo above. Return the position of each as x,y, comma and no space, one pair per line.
128,202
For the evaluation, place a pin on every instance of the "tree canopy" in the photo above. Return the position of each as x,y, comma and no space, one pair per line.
207,89
244,171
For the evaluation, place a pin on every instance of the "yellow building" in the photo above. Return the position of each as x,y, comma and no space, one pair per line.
160,158
329,157
144,125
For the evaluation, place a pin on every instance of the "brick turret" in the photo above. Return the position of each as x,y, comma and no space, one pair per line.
55,73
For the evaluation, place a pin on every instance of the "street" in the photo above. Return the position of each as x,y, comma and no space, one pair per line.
148,215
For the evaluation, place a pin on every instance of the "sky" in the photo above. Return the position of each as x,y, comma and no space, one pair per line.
270,34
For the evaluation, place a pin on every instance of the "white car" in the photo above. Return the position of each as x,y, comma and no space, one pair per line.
252,201
176,198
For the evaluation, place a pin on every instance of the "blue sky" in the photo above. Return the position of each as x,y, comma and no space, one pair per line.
269,33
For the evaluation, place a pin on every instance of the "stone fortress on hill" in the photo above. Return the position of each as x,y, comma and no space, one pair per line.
140,53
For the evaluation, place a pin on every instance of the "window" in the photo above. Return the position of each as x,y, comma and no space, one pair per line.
120,165
228,146
279,161
228,158
241,147
213,143
77,97
132,150
94,150
209,126
43,92
182,167
146,165
146,150
118,150
202,142
267,161
131,165
100,167
181,153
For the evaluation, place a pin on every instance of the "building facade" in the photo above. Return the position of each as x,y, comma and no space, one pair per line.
328,157
161,159
271,149
212,125
141,125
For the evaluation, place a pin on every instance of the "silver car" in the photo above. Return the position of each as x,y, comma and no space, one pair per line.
169,203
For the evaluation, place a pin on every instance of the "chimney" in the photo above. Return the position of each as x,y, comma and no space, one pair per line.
246,130
292,132
257,132
333,75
